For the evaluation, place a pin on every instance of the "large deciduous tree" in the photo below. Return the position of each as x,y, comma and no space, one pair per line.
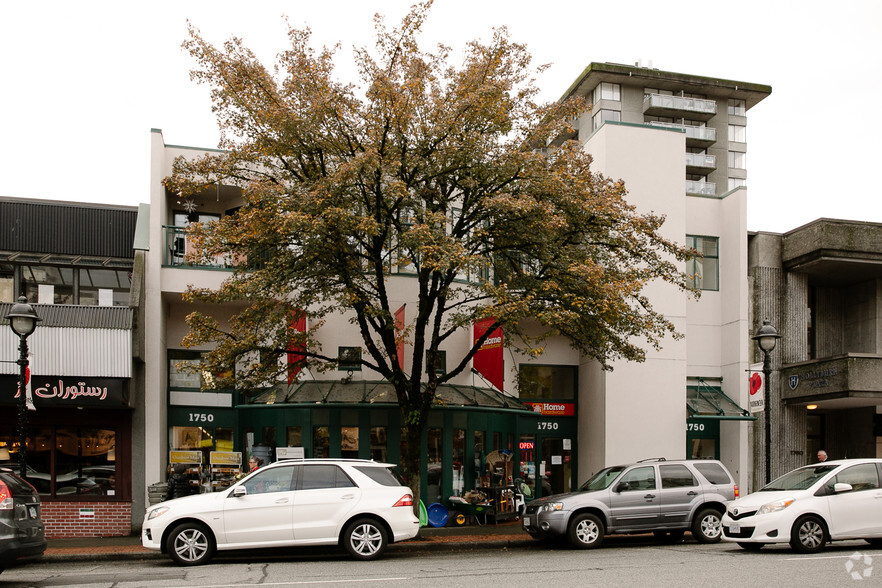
422,164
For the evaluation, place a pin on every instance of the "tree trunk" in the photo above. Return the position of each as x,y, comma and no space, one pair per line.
412,454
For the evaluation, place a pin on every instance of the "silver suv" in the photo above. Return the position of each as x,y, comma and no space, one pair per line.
665,497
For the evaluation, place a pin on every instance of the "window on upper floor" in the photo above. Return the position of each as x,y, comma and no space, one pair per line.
7,283
607,91
547,381
604,115
440,362
736,183
737,107
705,270
737,160
349,359
738,133
647,91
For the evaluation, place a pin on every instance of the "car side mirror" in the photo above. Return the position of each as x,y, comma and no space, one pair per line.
840,487
239,491
621,486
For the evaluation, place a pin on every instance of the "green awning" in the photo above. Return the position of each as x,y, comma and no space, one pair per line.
370,392
709,402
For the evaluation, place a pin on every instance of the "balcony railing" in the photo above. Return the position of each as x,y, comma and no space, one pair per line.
177,247
694,135
701,163
701,188
663,104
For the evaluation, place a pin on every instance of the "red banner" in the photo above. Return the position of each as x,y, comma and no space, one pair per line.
489,361
399,335
295,359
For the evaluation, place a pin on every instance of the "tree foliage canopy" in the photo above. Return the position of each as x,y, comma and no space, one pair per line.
424,167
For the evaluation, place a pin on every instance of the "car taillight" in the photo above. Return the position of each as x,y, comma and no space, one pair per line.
6,501
737,493
406,500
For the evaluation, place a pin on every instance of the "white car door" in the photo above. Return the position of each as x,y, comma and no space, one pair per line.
858,512
324,499
264,514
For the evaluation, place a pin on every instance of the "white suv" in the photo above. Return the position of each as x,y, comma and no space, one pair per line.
358,504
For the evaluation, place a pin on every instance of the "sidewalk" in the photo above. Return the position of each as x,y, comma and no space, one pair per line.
504,534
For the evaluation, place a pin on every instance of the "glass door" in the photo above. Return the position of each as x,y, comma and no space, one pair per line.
555,466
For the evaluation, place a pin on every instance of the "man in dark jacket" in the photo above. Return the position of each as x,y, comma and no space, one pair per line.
178,484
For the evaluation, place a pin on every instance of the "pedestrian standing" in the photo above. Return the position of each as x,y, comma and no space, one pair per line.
822,456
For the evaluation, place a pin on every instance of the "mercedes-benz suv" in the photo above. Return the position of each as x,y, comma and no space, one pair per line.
358,504
667,498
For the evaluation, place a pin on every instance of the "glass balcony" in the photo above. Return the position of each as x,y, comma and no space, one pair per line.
699,163
701,188
679,106
177,247
695,136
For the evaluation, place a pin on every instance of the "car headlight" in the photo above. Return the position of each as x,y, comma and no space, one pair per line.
157,512
774,506
551,506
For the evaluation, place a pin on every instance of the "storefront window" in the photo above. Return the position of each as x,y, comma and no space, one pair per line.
527,465
321,443
349,442
294,437
84,460
378,444
480,460
458,456
433,465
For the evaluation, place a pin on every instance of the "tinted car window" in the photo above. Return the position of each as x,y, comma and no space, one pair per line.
676,476
382,476
602,479
270,480
324,476
642,478
861,477
713,472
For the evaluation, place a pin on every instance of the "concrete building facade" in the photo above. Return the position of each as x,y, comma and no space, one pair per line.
819,285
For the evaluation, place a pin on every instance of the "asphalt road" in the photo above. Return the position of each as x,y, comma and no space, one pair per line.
620,562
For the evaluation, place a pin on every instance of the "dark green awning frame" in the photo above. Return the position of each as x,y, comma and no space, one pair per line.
709,402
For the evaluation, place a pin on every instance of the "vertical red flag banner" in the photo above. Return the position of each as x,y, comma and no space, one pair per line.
399,335
295,357
29,396
489,361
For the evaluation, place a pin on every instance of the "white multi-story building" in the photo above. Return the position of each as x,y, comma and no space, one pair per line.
678,142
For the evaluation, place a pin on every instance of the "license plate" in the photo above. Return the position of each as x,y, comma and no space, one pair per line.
526,521
735,528
33,512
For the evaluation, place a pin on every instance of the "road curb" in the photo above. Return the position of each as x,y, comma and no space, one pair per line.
403,547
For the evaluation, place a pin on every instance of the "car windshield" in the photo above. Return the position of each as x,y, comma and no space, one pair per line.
799,479
602,479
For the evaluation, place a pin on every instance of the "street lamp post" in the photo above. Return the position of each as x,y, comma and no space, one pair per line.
766,338
23,321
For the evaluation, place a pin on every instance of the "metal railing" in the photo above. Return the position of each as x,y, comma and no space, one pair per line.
680,103
692,131
177,247
701,160
702,188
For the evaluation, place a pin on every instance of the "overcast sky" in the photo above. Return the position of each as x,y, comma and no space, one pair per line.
84,82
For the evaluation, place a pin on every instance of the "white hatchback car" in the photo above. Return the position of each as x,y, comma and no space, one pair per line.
358,504
810,506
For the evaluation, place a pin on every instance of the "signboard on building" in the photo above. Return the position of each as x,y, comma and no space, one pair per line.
552,408
59,391
756,388
228,458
